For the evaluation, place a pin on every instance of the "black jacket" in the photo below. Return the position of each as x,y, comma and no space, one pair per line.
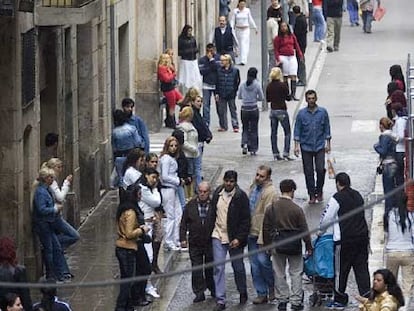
204,133
300,31
228,82
16,275
187,48
224,42
354,229
333,8
238,216
208,68
198,233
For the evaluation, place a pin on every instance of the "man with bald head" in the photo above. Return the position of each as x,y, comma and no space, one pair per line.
194,222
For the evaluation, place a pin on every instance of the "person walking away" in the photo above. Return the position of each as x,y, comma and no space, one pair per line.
241,21
11,271
399,246
312,135
386,294
353,7
303,7
274,17
262,194
250,92
333,10
319,21
167,76
300,30
228,222
285,216
385,147
169,184
225,39
226,90
190,147
286,47
277,93
351,239
188,73
194,221
208,66
128,105
367,8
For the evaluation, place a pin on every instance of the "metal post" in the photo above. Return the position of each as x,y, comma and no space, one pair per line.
265,61
410,127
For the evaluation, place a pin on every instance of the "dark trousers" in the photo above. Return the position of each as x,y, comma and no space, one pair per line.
314,161
203,278
250,133
399,175
222,112
301,68
132,263
353,256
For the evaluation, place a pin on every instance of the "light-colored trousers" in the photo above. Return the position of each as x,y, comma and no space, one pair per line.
173,212
243,36
402,261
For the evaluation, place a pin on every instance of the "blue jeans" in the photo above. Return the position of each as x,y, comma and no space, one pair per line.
206,105
181,196
314,161
198,168
119,163
320,24
352,7
250,133
132,263
219,253
281,116
388,184
52,251
261,268
222,110
67,235
367,18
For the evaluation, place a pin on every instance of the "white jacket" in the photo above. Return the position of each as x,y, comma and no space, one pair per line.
190,146
150,200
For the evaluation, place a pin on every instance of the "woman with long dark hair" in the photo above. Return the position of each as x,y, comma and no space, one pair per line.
130,251
399,246
386,294
11,302
250,92
286,47
397,76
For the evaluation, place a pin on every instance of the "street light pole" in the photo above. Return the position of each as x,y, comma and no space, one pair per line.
264,50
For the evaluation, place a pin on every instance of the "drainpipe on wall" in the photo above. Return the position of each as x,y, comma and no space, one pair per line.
112,52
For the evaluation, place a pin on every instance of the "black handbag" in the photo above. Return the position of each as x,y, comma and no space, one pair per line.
146,238
287,248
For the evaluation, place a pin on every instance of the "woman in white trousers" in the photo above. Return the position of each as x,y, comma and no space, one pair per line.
241,21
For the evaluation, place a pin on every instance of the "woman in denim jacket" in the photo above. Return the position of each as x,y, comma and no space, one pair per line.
385,147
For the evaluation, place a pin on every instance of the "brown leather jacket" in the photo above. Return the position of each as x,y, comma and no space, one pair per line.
128,230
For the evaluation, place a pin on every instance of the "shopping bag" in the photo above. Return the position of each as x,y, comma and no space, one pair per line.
330,166
379,13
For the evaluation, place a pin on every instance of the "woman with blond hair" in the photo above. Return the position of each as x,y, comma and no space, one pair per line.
169,183
66,234
385,147
190,146
277,93
167,76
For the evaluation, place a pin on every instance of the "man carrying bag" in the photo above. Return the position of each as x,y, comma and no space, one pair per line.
283,220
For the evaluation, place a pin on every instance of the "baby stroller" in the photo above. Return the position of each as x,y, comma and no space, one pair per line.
319,268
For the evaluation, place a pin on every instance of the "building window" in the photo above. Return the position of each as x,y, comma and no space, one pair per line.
28,67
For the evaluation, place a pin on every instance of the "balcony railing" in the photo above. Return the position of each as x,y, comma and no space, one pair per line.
65,3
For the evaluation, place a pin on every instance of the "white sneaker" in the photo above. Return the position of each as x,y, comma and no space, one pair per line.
152,291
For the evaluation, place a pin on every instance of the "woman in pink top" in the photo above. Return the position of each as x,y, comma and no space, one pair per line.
286,47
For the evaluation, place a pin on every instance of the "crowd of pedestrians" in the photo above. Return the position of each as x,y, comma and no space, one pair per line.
213,223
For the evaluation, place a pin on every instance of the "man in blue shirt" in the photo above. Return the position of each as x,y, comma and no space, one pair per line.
313,135
128,106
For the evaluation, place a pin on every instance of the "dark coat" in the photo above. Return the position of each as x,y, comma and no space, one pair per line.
238,216
333,8
228,82
198,232
300,31
208,68
224,42
16,275
187,48
204,133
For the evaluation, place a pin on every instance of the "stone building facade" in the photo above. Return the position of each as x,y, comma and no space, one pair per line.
64,66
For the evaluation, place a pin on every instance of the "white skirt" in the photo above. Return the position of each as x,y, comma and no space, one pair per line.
189,74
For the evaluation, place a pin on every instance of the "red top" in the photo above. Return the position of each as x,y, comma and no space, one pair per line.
165,74
286,45
317,2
